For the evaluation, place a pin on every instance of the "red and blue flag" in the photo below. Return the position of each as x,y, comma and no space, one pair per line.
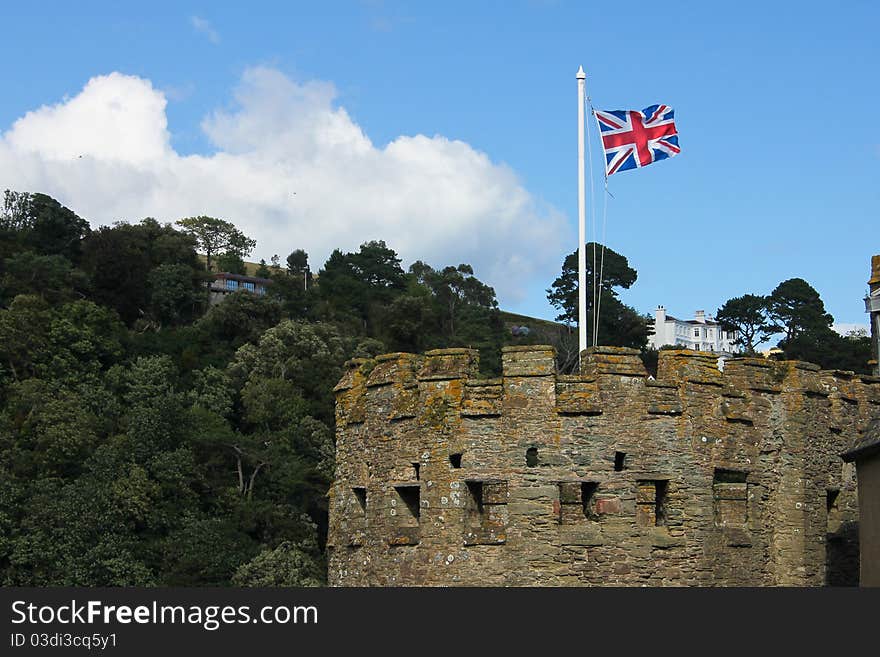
632,139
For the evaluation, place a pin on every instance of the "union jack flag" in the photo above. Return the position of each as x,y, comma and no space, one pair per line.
633,139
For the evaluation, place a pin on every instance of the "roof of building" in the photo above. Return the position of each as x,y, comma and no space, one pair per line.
708,322
867,445
225,275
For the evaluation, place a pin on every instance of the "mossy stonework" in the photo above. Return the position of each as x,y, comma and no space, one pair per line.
606,478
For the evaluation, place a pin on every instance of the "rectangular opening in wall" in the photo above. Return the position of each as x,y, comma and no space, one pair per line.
408,509
360,494
455,460
416,469
731,495
831,496
405,514
660,489
486,513
532,457
619,461
651,502
588,498
577,501
475,497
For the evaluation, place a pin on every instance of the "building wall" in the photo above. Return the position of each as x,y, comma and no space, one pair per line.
869,499
671,331
607,478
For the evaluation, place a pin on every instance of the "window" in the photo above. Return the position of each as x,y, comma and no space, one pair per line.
405,514
360,494
532,457
731,494
231,284
651,502
486,513
696,332
577,501
619,461
455,460
356,517
249,286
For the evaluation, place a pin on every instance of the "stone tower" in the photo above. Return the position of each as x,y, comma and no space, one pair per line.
609,477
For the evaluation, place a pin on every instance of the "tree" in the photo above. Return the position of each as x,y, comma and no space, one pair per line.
796,308
231,263
353,284
747,315
454,288
51,277
298,262
119,260
214,236
289,564
175,294
43,224
615,271
619,324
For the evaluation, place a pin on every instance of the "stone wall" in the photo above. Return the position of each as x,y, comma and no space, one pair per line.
607,478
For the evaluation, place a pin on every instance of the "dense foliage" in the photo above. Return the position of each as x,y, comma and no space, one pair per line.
149,439
795,311
618,325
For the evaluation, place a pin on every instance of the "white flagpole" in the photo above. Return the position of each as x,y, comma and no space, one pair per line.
582,230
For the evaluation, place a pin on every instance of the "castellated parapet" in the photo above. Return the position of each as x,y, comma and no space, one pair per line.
606,478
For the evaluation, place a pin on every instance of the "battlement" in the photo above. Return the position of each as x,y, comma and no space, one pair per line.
609,476
397,386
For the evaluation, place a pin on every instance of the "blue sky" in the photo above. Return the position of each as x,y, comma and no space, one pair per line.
778,175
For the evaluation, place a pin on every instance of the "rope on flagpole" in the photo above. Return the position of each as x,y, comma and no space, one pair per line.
597,282
602,266
596,289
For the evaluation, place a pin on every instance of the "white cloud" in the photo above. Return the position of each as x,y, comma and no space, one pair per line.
292,170
203,26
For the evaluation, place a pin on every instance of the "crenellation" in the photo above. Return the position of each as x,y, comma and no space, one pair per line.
700,477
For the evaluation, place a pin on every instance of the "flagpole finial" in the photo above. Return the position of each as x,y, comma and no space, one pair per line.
580,74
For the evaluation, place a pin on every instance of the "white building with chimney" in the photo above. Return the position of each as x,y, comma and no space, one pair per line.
702,333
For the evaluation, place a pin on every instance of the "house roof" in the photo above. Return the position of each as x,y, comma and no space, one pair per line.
225,275
867,445
708,322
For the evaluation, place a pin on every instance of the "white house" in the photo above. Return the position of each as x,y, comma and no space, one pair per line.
701,333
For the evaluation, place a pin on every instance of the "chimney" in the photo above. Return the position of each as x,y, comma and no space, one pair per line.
660,316
700,316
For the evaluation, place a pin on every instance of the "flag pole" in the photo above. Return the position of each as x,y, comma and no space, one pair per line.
582,230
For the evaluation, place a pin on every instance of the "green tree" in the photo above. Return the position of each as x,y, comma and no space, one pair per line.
175,294
119,261
263,269
214,236
619,325
796,308
748,316
289,564
454,288
232,263
51,277
43,224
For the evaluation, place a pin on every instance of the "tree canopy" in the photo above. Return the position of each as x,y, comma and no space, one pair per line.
148,439
619,325
216,236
